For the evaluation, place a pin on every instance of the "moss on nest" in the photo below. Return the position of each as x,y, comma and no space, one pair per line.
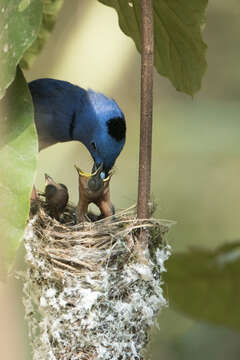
95,298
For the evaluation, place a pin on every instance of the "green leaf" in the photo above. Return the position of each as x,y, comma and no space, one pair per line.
18,151
179,48
204,285
50,12
19,25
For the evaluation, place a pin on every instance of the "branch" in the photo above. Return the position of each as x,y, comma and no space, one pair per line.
145,152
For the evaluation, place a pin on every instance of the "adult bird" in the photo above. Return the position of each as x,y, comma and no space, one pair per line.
65,112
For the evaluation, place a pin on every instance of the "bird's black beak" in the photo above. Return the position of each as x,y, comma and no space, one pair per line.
103,172
95,167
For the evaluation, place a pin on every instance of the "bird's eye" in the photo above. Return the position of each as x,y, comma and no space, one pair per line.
93,145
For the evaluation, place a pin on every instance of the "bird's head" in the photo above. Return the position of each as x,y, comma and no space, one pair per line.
106,144
51,187
105,128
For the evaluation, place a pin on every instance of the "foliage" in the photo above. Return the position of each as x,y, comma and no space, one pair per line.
179,48
19,26
18,150
204,284
49,16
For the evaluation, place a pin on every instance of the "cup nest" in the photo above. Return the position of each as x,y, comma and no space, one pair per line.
86,294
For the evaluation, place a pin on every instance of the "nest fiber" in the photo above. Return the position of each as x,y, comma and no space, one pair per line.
86,293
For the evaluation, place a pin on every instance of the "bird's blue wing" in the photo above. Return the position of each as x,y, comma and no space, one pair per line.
54,107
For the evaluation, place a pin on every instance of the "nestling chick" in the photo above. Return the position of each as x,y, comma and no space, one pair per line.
56,197
34,202
93,189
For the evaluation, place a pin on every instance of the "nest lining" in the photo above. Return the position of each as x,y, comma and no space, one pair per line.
95,299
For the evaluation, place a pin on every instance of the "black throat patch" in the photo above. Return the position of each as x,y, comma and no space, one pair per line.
72,125
117,128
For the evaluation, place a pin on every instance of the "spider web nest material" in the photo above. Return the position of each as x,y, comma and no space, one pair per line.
86,294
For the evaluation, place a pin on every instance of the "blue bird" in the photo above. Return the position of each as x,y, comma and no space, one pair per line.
66,112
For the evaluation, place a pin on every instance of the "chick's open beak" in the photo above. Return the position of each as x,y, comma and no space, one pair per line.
96,167
49,180
95,182
82,173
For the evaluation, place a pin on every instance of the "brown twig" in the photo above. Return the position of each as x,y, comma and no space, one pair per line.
145,152
145,149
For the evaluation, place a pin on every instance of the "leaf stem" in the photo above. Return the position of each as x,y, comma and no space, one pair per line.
145,152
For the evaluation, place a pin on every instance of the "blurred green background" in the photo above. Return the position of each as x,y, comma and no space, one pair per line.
196,150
